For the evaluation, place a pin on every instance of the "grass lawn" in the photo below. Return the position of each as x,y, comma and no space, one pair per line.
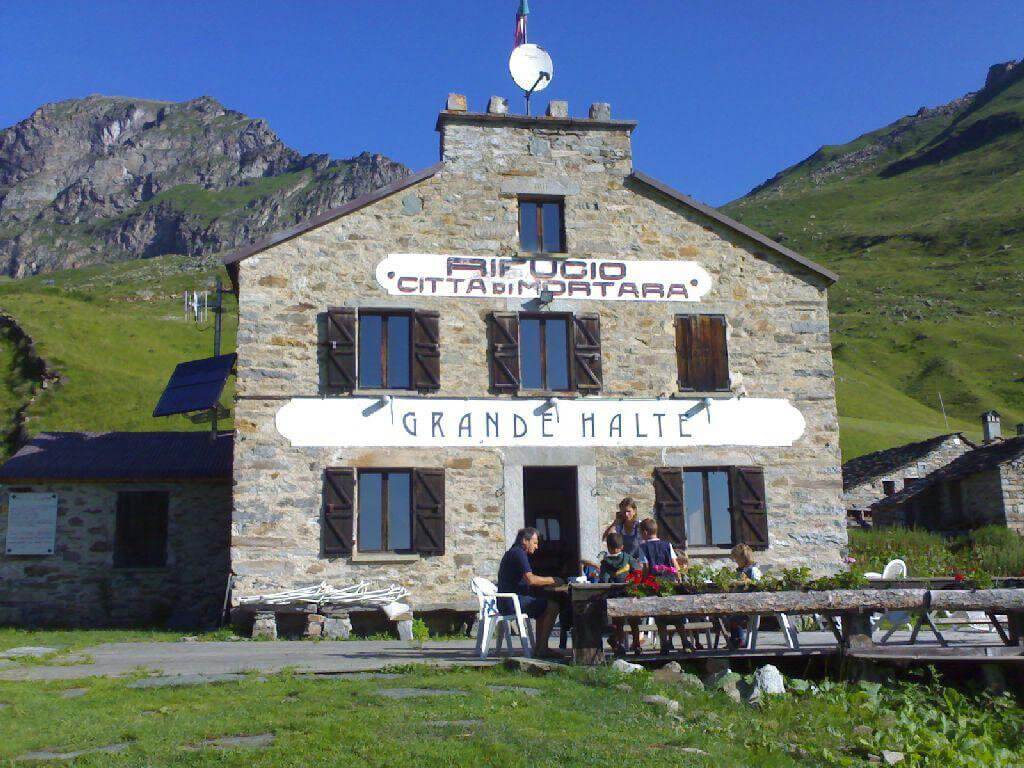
574,718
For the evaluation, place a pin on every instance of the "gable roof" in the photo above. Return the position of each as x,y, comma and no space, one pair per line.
731,223
232,259
981,459
872,465
121,457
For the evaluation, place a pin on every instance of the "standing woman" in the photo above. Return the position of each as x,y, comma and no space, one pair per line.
627,525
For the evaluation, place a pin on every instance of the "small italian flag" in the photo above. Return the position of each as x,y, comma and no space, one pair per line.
520,36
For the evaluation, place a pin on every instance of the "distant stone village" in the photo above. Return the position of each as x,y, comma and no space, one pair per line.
521,335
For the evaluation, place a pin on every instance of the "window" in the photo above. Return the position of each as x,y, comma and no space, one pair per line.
541,225
702,356
889,487
711,506
706,501
909,481
140,539
385,357
544,352
385,511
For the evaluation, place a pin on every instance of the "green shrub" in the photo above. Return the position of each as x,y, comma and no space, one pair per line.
990,551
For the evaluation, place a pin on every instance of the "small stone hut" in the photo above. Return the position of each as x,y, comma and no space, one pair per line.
984,486
116,529
874,476
524,334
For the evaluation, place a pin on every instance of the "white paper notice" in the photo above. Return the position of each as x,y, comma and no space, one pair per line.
31,524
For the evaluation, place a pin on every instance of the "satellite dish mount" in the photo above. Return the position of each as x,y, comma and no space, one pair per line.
531,69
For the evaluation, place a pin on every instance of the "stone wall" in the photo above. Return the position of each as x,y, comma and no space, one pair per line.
1012,477
79,586
778,347
867,493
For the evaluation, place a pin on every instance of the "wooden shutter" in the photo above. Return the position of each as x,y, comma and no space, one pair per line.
702,356
140,537
340,346
749,512
426,351
668,505
339,507
428,511
503,351
586,353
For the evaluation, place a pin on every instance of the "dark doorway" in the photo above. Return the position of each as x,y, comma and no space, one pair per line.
550,505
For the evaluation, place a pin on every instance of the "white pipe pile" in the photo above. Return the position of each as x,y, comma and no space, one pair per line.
323,593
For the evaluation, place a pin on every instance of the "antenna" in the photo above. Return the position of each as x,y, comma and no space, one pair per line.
196,306
531,69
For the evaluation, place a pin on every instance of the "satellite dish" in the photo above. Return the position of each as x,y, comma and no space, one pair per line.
530,67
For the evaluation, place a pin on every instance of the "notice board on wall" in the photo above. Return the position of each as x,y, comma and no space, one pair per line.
31,524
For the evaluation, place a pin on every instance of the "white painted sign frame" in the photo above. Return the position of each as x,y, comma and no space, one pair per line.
479,277
409,422
31,524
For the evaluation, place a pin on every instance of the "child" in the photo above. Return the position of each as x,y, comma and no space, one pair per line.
748,571
660,560
615,567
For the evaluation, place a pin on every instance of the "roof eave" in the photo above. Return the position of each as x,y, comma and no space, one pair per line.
734,225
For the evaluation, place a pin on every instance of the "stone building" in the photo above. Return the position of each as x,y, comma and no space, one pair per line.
875,476
116,529
984,486
525,333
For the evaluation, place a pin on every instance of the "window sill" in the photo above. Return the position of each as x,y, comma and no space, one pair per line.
706,551
718,394
384,557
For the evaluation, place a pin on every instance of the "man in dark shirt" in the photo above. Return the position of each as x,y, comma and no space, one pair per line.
515,574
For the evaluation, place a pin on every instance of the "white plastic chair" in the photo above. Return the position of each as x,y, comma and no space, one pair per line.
491,618
894,569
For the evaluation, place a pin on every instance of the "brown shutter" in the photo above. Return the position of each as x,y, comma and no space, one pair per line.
503,351
668,505
428,511
339,506
702,356
341,349
426,351
586,353
749,511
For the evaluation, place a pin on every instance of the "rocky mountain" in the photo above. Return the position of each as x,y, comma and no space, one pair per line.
105,179
923,219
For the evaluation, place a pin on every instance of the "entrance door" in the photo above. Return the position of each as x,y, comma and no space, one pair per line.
550,504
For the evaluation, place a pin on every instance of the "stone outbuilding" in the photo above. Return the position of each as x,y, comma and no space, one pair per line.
524,334
875,476
116,529
984,486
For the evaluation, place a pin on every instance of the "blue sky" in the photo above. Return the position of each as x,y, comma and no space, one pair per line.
727,92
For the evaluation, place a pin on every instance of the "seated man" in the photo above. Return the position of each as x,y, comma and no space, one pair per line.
515,574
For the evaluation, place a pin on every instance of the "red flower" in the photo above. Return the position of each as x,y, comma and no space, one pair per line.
958,577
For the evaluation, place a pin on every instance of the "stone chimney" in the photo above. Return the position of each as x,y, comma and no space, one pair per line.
990,426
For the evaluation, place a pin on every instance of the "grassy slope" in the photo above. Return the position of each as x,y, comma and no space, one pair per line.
932,268
115,333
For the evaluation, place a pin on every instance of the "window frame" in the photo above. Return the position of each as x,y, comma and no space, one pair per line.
722,388
706,495
123,560
539,201
384,313
384,472
888,487
565,317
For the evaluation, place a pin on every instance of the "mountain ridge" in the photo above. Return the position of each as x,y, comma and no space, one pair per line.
110,178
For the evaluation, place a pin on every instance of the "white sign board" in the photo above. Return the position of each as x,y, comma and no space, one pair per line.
430,422
471,277
31,523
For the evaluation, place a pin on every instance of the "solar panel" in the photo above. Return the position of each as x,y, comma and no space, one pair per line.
195,386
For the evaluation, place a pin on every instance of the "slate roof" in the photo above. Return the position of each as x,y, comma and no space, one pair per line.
121,457
872,465
981,459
